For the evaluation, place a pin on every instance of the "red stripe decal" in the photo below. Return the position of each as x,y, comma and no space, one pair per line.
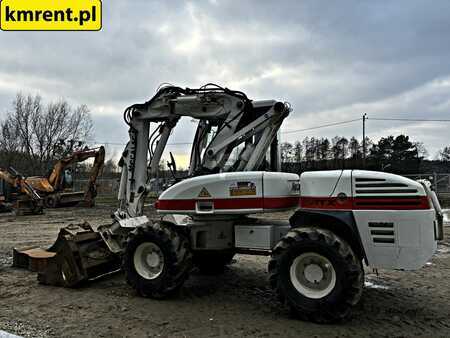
232,203
326,203
280,202
372,203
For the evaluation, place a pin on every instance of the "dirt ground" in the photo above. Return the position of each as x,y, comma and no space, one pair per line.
237,303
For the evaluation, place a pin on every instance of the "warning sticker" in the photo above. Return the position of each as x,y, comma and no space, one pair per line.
204,193
243,189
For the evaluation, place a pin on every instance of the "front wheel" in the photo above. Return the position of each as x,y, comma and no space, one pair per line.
157,260
317,274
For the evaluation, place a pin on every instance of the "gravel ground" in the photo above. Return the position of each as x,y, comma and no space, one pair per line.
237,303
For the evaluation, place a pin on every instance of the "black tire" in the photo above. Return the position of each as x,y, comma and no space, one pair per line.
212,262
175,250
346,291
36,209
50,202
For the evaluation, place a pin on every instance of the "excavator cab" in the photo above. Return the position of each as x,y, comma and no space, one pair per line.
67,179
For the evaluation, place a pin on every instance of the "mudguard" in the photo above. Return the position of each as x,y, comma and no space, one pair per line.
342,223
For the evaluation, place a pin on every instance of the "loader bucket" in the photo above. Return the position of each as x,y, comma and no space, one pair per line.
79,254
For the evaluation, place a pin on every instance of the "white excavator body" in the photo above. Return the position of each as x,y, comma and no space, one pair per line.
393,215
231,193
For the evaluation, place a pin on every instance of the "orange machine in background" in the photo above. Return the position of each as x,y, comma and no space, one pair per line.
56,189
17,194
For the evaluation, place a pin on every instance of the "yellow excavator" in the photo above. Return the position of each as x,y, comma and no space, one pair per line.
30,194
57,188
16,194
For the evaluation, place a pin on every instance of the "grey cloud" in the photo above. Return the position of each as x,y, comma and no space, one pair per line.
325,57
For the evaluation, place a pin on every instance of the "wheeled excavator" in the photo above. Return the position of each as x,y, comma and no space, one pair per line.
340,220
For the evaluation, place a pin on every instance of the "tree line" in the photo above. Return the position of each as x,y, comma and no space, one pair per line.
392,153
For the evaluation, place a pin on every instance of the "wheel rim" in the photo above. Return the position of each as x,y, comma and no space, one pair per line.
148,260
50,202
313,275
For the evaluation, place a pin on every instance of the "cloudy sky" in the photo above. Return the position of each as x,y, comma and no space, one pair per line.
333,60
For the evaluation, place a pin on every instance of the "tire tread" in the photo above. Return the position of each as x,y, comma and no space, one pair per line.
179,258
338,312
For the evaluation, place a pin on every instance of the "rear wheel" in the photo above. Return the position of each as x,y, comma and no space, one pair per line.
50,201
157,260
317,274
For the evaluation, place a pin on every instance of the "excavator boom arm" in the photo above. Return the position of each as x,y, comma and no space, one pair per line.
233,133
227,119
78,156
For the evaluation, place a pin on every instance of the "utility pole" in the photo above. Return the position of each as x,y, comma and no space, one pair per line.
364,140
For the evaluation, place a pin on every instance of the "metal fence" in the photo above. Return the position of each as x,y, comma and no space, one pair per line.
106,186
110,186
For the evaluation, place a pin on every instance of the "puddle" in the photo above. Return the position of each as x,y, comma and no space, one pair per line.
4,334
446,213
442,251
375,284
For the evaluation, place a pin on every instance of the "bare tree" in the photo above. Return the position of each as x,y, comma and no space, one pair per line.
444,154
298,152
421,151
308,145
354,148
33,130
339,148
286,152
324,149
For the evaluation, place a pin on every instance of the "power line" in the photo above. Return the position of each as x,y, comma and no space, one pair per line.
406,119
321,126
312,128
283,132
